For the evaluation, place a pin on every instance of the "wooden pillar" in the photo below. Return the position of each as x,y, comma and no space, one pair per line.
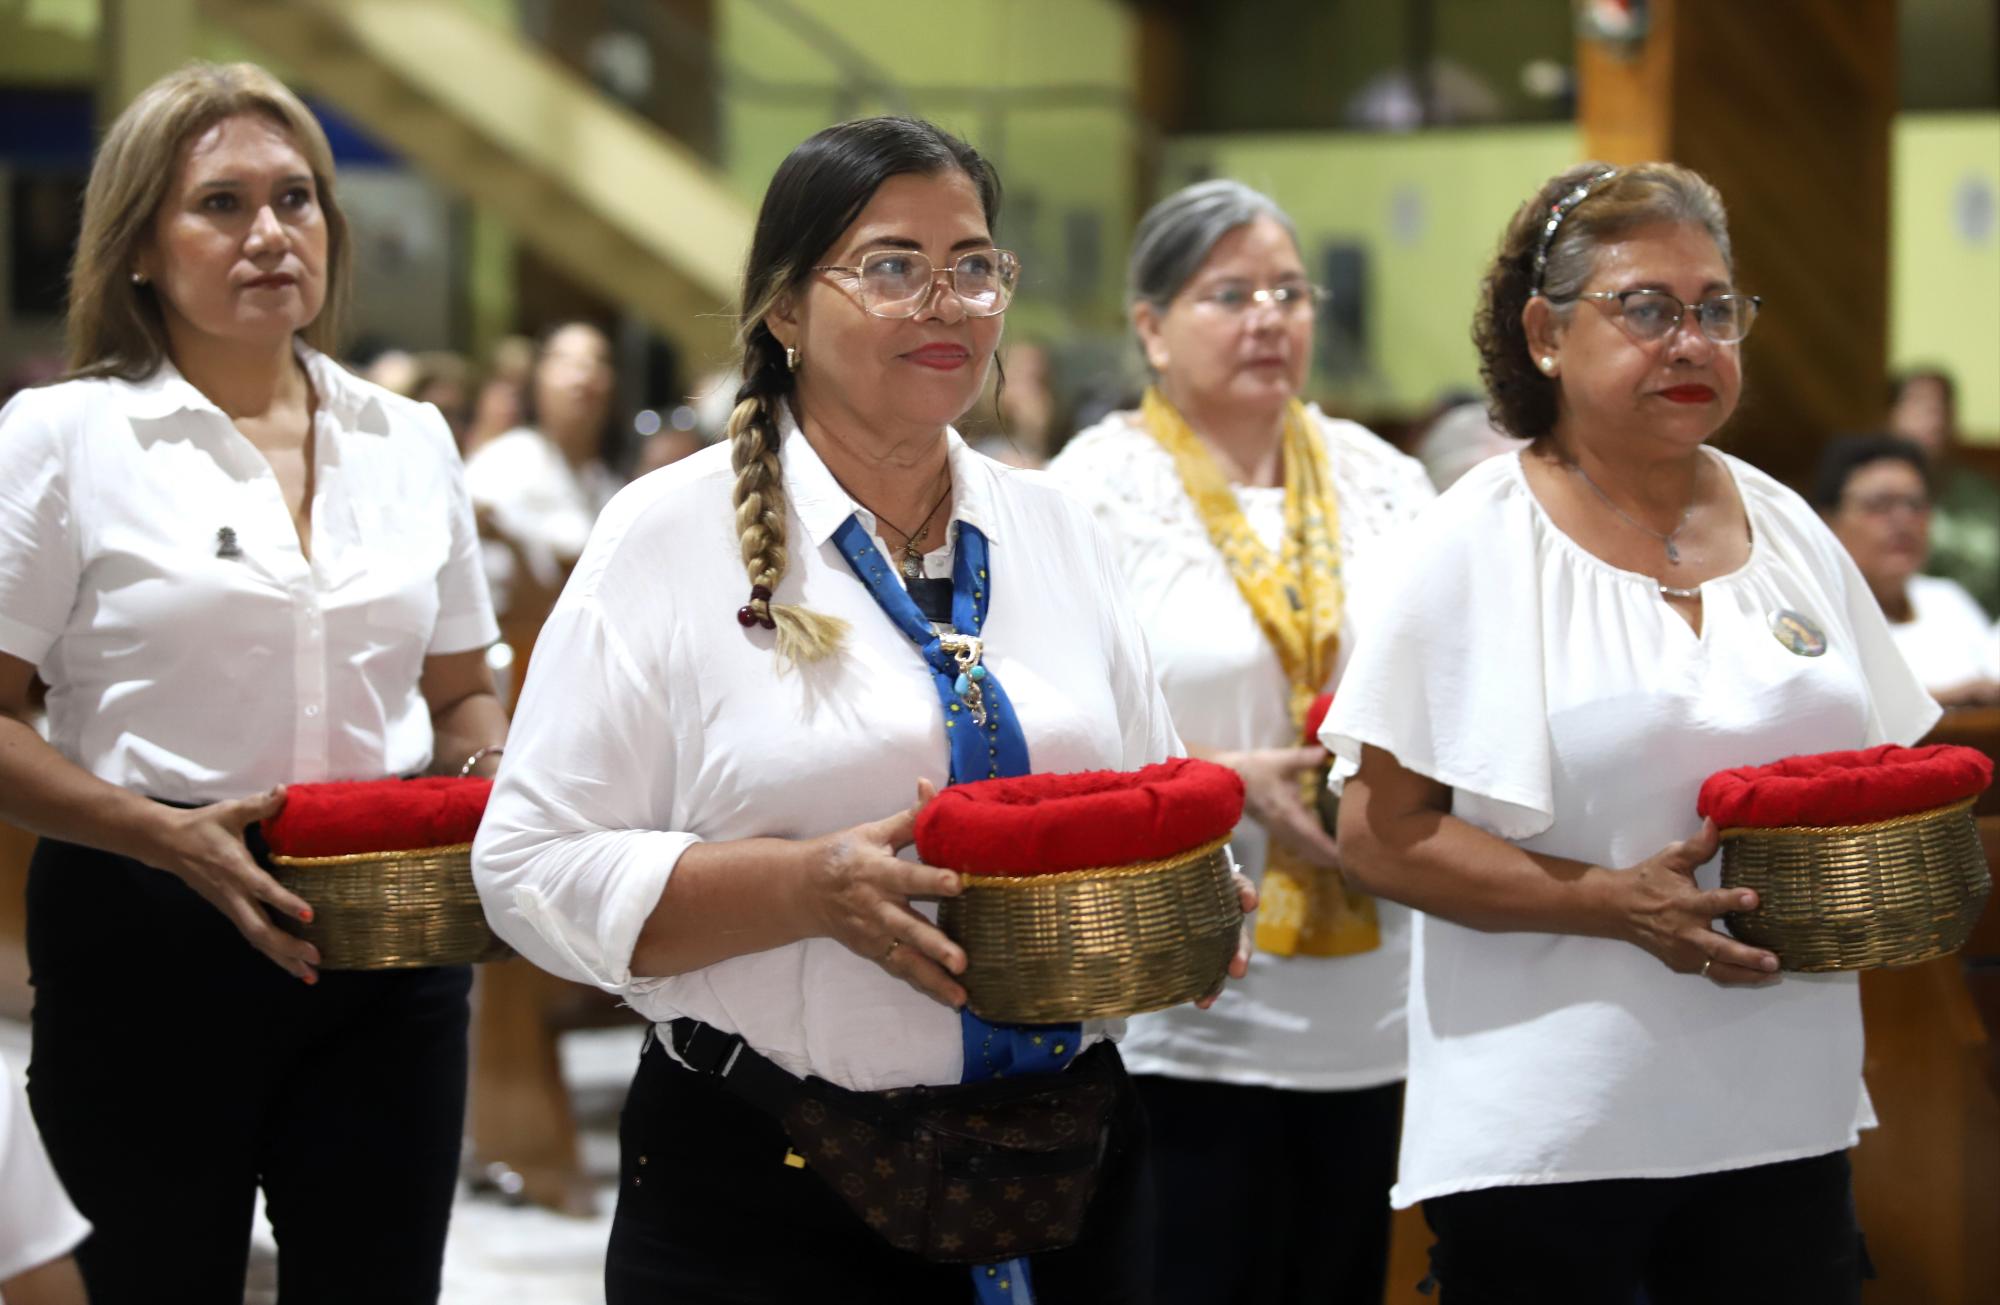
1786,106
141,41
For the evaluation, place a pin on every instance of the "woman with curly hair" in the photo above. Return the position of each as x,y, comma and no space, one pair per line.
1600,1077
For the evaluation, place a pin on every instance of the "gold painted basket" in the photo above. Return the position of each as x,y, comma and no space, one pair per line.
391,910
1096,944
1857,897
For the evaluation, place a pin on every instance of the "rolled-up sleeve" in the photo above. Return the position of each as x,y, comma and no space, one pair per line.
578,843
40,556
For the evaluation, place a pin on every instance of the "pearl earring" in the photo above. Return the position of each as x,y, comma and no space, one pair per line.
1549,366
791,359
138,278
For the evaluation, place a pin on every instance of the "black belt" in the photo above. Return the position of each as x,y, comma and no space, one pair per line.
707,1050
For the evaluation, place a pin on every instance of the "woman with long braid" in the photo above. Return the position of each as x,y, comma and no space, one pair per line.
735,704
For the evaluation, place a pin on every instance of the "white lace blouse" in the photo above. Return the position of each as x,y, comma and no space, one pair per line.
1570,710
1297,1022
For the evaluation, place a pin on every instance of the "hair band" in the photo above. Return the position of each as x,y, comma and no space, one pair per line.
1557,212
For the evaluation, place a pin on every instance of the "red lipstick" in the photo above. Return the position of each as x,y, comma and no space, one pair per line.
1688,394
942,357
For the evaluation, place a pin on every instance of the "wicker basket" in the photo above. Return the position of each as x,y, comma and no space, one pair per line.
391,910
1857,897
1096,944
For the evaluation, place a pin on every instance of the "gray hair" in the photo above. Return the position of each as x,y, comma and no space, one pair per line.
1176,235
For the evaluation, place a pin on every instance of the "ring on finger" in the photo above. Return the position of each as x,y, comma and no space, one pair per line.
1704,966
890,954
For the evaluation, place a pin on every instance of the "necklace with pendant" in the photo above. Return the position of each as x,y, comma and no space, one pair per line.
1667,539
912,561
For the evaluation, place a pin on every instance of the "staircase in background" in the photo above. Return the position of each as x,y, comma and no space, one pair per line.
616,203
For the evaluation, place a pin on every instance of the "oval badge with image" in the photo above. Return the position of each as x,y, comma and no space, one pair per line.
1797,632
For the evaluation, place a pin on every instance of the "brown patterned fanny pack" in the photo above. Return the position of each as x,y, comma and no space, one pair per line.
967,1174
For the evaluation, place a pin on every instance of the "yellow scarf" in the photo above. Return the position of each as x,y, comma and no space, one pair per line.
1297,600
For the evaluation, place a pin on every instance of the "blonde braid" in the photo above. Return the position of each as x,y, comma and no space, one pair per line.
803,635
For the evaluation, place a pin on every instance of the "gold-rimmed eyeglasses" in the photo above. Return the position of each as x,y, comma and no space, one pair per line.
897,282
1651,315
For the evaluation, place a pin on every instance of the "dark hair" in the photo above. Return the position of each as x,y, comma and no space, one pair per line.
1903,380
1520,398
1847,454
815,196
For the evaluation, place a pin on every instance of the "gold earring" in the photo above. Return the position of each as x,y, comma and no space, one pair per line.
791,359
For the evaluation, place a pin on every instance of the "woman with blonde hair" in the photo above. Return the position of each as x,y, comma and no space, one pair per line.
740,694
235,566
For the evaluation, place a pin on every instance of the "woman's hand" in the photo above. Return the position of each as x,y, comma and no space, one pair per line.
204,849
1271,782
1662,910
1239,964
858,891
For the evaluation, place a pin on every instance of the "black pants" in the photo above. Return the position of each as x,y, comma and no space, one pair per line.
709,1214
175,1070
1780,1234
1269,1196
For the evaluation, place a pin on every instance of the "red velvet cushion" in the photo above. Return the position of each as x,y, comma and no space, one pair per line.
1046,824
1844,788
377,815
1316,716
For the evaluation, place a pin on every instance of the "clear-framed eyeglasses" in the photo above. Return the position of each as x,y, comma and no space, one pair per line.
1650,315
897,282
1237,298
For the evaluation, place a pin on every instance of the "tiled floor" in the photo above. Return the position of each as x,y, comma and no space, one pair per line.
500,1254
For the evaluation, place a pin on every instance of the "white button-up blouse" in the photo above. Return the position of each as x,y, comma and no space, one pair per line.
651,720
150,571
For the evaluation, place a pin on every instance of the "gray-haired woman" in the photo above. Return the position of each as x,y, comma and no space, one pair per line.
1240,517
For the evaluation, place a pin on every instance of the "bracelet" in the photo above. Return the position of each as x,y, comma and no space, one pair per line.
491,749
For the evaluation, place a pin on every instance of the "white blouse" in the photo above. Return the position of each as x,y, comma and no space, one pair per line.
544,505
1570,710
37,1221
151,572
1946,640
651,721
1296,1022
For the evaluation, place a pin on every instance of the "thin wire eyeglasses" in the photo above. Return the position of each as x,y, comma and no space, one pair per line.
1289,298
1651,315
898,282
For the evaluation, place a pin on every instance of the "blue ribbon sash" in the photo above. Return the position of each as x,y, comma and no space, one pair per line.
986,742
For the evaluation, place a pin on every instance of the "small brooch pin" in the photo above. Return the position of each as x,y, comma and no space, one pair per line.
1797,632
225,543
